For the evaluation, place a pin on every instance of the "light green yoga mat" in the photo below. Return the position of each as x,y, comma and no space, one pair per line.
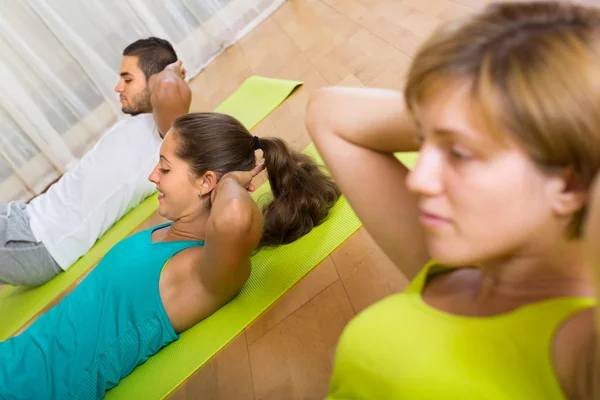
274,272
251,103
256,98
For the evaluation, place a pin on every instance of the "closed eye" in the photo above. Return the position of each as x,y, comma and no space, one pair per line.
458,154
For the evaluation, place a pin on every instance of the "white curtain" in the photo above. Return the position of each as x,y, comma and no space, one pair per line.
59,62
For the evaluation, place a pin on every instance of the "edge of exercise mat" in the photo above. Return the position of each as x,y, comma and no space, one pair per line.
162,373
254,99
251,89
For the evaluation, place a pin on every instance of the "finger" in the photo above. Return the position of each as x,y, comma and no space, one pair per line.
251,188
257,170
174,65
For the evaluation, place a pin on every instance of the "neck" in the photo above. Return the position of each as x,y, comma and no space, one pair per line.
189,228
556,270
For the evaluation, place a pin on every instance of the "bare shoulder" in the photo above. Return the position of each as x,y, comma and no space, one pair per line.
180,274
184,298
574,355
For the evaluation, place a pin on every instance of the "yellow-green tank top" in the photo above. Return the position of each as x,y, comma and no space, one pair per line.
401,348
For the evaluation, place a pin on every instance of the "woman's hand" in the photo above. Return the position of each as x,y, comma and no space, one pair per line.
244,178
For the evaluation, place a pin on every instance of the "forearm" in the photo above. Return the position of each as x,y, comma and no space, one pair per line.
233,230
356,131
376,119
592,233
170,87
171,97
591,240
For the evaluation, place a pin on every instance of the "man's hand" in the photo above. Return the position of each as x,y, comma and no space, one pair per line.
170,71
177,67
170,95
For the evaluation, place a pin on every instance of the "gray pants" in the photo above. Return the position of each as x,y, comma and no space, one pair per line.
23,260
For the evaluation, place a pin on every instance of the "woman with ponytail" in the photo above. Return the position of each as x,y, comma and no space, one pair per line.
160,282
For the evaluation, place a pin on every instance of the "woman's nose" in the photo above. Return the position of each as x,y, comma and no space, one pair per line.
154,176
425,178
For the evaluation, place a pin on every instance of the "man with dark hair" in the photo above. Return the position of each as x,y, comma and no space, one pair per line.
149,56
153,54
40,239
151,81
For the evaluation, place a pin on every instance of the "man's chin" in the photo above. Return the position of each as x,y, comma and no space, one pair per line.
133,113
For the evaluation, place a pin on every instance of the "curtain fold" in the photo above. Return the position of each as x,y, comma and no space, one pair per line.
59,62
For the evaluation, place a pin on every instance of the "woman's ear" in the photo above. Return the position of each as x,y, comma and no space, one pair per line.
206,183
569,194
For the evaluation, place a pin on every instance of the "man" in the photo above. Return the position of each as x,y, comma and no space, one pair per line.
41,239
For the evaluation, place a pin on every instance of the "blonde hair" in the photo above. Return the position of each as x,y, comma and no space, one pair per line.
535,73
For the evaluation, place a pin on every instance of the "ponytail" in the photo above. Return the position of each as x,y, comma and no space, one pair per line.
302,194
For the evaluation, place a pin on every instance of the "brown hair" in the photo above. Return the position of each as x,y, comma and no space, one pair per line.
534,70
302,192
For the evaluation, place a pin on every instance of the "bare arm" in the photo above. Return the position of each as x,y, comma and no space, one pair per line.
356,132
592,238
170,96
233,230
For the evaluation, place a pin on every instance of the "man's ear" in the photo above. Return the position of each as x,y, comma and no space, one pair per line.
206,183
569,194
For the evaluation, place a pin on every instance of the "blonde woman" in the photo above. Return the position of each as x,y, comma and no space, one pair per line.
504,109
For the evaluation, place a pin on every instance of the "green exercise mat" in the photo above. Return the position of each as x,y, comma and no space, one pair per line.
408,159
256,98
274,272
251,103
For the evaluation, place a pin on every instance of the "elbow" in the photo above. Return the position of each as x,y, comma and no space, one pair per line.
236,217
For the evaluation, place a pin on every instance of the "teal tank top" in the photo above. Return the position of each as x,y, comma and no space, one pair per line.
111,323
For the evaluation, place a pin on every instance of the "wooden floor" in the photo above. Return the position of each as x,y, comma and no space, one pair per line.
288,352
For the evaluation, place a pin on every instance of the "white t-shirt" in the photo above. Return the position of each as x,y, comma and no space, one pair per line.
110,180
